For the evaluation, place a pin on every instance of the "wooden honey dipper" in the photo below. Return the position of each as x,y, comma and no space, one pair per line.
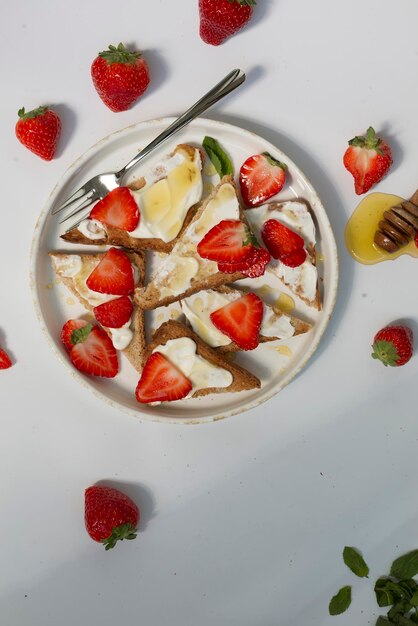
399,225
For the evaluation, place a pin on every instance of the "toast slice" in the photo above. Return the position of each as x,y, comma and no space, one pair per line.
74,269
296,215
197,308
167,198
184,272
208,370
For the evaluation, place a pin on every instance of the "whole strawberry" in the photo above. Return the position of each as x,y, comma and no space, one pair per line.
5,361
219,19
368,158
39,131
393,345
120,77
110,515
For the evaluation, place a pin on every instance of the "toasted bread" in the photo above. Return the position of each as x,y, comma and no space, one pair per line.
197,314
109,235
184,265
242,380
136,348
296,215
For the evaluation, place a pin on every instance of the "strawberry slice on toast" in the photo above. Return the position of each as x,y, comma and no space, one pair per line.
231,319
153,211
260,178
92,351
180,364
161,381
288,232
103,283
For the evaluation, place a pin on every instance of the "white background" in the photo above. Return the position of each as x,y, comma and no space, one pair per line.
244,520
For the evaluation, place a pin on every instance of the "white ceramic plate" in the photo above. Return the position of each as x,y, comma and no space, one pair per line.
274,363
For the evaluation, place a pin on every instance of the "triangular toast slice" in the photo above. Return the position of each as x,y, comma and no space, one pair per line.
275,325
74,269
296,215
208,370
167,198
184,271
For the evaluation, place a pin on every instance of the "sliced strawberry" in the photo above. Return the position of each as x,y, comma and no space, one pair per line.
115,313
67,331
261,177
113,275
252,266
416,239
230,241
5,361
117,209
368,158
93,352
283,243
259,265
294,259
161,381
240,320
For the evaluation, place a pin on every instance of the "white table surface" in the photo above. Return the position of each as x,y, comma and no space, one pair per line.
244,520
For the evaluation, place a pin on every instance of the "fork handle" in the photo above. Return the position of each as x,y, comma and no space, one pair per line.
231,81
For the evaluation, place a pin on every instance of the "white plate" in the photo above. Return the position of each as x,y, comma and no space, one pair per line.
54,305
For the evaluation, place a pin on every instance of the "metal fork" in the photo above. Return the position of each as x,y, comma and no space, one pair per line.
99,186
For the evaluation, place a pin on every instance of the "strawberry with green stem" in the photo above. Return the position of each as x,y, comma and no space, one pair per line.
393,345
120,77
110,515
368,158
39,130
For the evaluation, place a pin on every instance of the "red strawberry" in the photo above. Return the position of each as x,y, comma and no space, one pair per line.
368,158
67,331
93,352
416,239
219,19
39,131
259,265
113,275
260,178
283,243
110,515
240,320
230,241
120,77
117,209
5,361
161,381
115,313
253,266
393,345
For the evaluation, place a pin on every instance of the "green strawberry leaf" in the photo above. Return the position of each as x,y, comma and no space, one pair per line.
386,352
79,335
119,533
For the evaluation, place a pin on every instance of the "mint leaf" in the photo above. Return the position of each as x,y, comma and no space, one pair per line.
341,601
382,621
218,156
405,566
354,560
389,592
